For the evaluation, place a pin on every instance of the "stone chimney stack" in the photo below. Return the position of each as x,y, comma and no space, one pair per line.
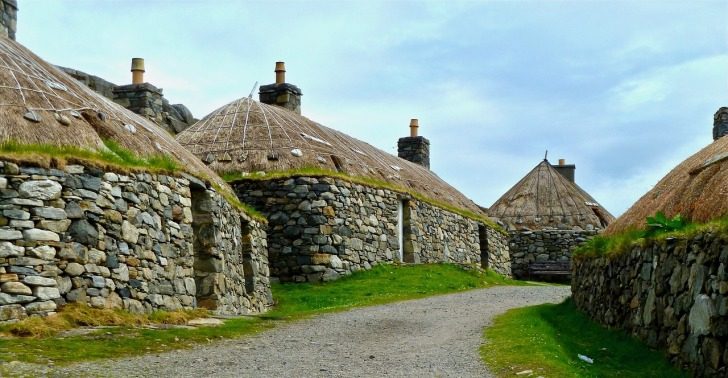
720,123
8,21
414,148
281,93
566,170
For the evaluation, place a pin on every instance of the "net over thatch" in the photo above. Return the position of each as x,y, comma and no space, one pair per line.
247,136
697,189
39,104
546,199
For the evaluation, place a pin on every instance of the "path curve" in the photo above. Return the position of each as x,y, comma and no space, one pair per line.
432,337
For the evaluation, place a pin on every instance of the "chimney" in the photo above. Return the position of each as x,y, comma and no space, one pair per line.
566,170
414,148
720,123
281,93
137,70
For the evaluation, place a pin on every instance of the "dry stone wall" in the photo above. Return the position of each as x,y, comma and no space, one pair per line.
123,241
527,247
324,228
671,294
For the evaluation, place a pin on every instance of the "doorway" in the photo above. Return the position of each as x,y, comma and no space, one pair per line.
484,255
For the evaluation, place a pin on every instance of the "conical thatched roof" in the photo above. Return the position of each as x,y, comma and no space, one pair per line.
546,199
247,136
39,104
696,189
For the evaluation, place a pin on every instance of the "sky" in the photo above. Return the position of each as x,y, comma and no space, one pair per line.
623,89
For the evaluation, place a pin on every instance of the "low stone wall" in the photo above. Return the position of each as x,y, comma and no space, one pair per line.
124,241
323,228
527,247
672,294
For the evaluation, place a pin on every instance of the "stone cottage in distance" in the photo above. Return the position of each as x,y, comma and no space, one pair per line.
547,214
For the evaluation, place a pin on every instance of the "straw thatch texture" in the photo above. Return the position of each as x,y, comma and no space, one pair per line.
67,113
247,136
696,189
546,199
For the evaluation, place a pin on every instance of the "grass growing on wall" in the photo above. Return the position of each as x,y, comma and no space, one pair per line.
129,336
114,156
616,244
548,338
361,180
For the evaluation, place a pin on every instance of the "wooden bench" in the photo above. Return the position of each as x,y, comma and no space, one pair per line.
555,270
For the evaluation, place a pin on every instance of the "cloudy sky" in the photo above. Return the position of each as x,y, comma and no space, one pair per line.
625,90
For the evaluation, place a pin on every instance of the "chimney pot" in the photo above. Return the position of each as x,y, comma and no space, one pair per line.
280,72
137,70
414,125
562,161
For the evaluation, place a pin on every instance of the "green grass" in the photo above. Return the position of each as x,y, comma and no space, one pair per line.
115,156
616,244
547,339
361,180
382,284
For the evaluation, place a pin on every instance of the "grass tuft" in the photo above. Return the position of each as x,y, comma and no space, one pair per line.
361,180
547,340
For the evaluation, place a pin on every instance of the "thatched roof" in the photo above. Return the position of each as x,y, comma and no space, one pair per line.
697,189
546,199
40,104
247,136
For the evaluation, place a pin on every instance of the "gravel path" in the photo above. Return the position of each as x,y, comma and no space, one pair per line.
431,337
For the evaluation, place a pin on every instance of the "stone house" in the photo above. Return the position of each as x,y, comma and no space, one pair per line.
78,225
671,292
336,204
547,214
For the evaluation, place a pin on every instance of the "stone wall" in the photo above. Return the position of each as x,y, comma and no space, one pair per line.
124,241
284,95
8,18
671,294
527,247
323,228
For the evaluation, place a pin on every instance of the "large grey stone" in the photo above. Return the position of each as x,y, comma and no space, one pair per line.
74,269
36,307
700,314
8,249
35,234
46,293
10,234
15,288
44,252
82,231
6,299
57,226
40,189
12,312
39,281
50,213
129,233
16,214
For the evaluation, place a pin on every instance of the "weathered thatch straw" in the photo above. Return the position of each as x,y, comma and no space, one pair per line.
697,189
39,104
247,136
546,199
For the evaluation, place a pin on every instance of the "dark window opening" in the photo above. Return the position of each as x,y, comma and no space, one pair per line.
484,255
337,163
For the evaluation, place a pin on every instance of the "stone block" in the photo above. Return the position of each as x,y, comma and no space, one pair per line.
40,189
17,288
46,293
35,234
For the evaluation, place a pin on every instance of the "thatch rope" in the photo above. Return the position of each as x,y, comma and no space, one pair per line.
544,198
697,189
247,136
40,104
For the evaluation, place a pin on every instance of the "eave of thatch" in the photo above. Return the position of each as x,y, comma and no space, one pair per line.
247,136
546,199
67,113
697,189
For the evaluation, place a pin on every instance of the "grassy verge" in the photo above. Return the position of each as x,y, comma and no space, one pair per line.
616,244
382,284
362,180
547,340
